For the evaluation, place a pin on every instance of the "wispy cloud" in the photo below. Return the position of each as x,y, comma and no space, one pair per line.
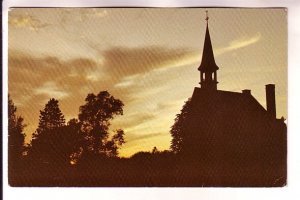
239,43
135,137
141,60
82,15
92,13
50,89
170,104
127,81
192,57
26,21
124,83
133,120
46,76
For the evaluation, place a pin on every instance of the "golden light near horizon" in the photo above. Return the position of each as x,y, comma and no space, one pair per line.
146,57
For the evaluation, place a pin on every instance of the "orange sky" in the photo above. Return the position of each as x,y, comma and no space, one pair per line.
148,58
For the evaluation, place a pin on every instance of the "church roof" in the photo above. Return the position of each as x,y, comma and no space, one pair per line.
208,61
227,102
220,114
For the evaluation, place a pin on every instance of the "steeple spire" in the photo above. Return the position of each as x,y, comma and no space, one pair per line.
208,67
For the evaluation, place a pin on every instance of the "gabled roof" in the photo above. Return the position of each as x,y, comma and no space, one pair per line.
227,101
208,61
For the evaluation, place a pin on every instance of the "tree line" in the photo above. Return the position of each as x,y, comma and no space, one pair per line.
82,152
80,142
57,141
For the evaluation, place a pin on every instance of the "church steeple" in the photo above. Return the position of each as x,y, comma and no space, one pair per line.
208,67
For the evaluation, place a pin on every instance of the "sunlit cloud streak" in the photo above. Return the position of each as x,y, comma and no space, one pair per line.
26,21
51,90
239,43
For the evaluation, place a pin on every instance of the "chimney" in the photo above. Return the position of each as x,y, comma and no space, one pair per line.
270,97
246,91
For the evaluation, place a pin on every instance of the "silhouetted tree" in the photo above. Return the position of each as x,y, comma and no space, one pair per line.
95,118
76,140
155,150
58,146
51,117
177,132
115,143
16,136
47,139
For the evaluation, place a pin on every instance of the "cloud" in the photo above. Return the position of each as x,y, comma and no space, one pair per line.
26,67
119,69
140,60
170,104
239,43
26,21
92,13
135,137
44,77
133,120
127,81
128,62
82,15
124,72
32,80
132,61
50,89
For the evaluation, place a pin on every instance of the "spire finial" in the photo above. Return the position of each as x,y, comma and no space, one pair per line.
206,16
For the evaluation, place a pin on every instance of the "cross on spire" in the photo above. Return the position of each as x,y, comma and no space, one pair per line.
206,16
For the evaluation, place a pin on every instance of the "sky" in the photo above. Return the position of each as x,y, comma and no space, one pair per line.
146,57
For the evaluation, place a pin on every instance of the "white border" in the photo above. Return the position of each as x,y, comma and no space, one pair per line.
292,191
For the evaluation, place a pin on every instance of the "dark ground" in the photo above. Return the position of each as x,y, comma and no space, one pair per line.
149,171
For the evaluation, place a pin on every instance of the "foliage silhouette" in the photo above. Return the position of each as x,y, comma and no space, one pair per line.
113,145
16,139
68,155
177,130
95,116
51,117
49,143
58,146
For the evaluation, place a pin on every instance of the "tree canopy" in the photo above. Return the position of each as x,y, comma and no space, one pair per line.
51,117
16,135
95,116
49,140
177,130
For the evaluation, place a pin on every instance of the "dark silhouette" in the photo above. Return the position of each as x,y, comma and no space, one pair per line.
16,138
228,137
50,144
208,67
95,118
51,117
58,146
177,131
270,96
220,138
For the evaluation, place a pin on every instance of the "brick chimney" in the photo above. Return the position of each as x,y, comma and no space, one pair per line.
270,97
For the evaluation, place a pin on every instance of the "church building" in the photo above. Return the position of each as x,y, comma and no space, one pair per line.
230,135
